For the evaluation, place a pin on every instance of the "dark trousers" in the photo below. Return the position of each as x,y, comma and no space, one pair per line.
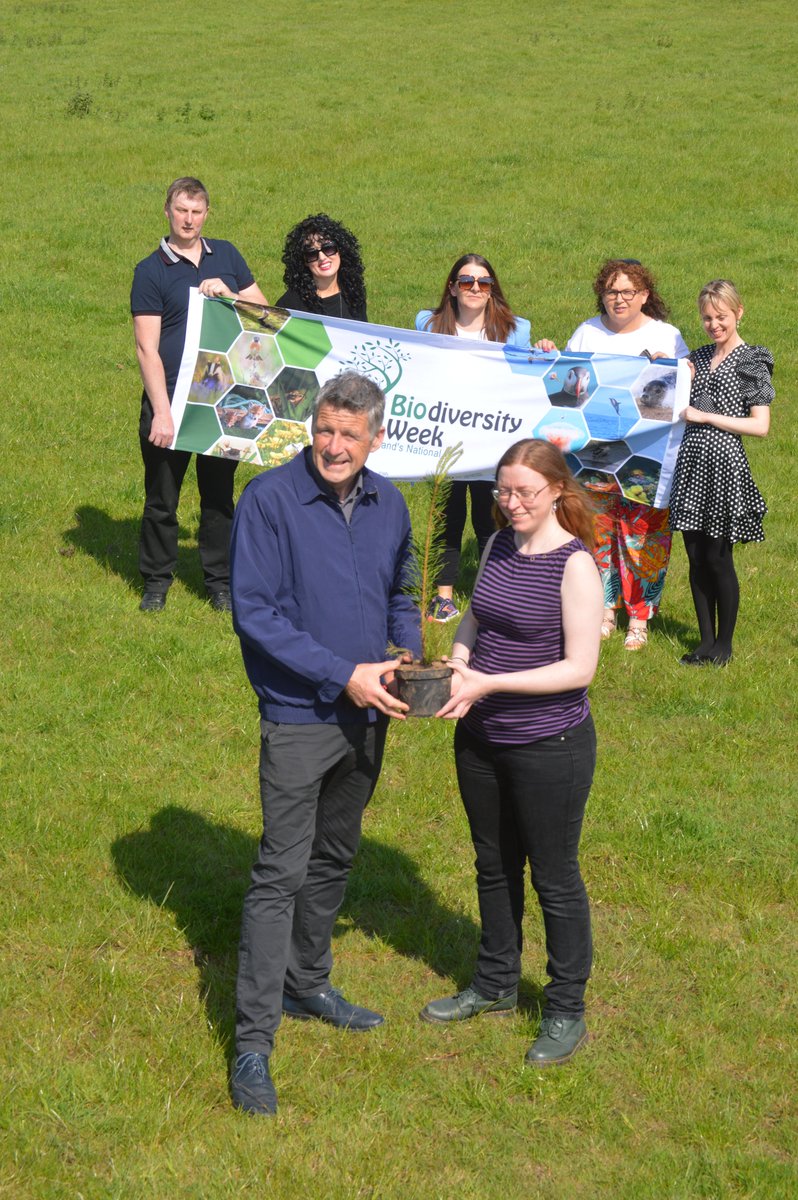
526,803
715,589
454,524
315,782
163,478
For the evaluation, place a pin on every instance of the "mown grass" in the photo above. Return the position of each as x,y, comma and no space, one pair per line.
547,139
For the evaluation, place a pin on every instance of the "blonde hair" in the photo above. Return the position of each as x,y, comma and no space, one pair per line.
719,292
189,186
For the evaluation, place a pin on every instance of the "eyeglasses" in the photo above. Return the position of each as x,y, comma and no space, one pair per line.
328,249
466,283
624,294
524,496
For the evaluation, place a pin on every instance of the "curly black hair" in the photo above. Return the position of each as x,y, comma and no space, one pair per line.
297,276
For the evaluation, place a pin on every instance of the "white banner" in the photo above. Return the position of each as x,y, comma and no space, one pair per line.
249,376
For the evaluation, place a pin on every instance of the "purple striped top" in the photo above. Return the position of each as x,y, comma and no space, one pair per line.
518,606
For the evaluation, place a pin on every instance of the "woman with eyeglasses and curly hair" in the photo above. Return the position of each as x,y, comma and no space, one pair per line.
633,541
323,270
472,306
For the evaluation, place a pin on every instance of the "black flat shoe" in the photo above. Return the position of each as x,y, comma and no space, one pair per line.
152,602
251,1086
221,601
331,1007
558,1041
693,659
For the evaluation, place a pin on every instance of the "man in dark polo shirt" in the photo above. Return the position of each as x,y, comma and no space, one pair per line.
159,304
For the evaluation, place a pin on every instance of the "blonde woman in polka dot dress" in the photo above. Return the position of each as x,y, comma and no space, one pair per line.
714,500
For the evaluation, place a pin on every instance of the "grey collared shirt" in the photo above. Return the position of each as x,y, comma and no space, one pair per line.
347,505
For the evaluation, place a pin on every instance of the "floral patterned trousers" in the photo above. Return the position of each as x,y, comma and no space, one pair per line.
633,545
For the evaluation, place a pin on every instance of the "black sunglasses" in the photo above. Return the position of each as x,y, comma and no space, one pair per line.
328,249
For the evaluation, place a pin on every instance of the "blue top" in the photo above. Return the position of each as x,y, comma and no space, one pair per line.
521,336
313,595
517,604
160,288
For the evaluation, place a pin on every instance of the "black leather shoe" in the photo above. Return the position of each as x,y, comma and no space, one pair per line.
466,1004
331,1007
251,1085
221,601
153,602
558,1040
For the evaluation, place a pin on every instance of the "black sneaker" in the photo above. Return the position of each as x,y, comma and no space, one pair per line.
442,609
251,1086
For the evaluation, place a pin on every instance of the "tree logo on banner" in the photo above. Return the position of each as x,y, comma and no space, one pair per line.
380,361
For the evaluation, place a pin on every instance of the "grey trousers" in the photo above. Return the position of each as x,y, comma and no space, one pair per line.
315,782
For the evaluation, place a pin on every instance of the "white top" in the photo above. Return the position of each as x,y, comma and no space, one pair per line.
657,337
467,333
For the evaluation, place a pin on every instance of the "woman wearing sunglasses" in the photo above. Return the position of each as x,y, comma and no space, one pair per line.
323,270
472,306
633,541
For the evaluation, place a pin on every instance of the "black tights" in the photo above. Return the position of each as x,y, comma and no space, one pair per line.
716,591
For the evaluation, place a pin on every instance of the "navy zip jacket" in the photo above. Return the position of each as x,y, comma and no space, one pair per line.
314,596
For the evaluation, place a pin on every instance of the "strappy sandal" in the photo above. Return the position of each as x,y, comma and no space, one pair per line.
636,637
609,625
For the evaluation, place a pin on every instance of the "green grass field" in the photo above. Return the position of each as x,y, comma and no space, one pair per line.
546,137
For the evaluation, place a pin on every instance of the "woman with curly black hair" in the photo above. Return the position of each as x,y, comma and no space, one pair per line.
323,270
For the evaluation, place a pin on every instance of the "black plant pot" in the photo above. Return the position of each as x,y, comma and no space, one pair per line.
424,689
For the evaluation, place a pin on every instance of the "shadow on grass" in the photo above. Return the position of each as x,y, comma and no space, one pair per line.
113,543
682,636
200,870
386,898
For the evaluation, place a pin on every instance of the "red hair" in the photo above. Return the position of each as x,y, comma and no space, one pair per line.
574,509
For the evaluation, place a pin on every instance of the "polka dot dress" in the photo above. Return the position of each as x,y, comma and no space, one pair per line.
713,489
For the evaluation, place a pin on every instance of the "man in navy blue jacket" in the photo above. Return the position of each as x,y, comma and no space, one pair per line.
318,555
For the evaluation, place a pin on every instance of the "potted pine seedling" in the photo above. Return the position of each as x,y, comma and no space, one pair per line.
424,684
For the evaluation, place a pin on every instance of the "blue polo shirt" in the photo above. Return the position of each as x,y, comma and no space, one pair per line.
161,284
315,594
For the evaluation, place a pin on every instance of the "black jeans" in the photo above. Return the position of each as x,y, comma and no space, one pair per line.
163,478
526,803
315,782
454,524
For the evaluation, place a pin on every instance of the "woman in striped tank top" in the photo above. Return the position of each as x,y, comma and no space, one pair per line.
525,747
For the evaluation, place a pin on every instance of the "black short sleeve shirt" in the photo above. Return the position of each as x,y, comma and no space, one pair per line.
161,285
